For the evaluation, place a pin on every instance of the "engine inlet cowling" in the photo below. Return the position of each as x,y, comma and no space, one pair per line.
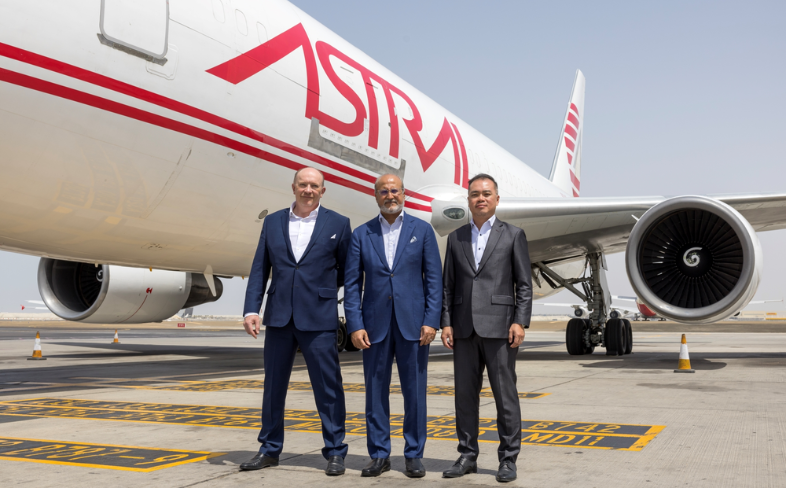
693,259
104,294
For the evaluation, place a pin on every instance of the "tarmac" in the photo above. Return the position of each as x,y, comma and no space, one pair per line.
179,407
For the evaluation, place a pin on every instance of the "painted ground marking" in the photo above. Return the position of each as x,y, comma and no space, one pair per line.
626,437
90,455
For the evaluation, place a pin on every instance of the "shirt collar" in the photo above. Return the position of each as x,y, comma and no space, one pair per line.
312,214
383,220
489,223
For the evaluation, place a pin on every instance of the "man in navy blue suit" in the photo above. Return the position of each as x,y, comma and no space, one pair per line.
305,246
402,302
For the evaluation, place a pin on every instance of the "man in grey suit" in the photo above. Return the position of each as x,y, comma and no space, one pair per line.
486,305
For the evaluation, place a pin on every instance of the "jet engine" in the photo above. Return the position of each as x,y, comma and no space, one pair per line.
693,259
104,294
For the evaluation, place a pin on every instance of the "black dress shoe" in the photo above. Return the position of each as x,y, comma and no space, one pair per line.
335,466
463,466
414,468
376,467
258,462
507,471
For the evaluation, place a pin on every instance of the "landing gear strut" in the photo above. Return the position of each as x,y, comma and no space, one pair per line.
583,335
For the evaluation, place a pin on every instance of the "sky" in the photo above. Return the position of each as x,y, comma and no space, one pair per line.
681,97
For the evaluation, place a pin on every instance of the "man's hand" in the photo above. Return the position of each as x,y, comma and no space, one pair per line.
516,335
447,337
360,339
427,334
251,324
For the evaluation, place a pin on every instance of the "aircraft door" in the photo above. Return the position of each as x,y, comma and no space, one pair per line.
141,26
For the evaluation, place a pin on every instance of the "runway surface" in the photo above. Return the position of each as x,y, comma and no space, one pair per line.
180,407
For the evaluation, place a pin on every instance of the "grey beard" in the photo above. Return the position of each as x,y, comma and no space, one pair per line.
391,210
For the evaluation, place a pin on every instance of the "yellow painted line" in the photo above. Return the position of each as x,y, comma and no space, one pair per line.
433,390
92,455
630,437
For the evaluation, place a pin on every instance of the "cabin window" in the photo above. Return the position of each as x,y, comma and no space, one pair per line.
138,25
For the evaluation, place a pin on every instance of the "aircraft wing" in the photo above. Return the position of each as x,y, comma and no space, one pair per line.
560,229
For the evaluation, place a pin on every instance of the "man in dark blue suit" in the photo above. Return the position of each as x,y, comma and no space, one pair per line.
402,302
305,246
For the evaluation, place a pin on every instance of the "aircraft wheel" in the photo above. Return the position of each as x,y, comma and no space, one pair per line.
628,336
590,349
342,338
349,347
615,337
574,337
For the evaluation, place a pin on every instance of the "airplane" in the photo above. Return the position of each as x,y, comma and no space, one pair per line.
647,314
143,142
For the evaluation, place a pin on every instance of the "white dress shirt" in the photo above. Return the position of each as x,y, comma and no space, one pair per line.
300,230
480,237
390,235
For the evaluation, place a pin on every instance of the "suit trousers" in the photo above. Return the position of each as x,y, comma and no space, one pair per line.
470,357
412,362
321,355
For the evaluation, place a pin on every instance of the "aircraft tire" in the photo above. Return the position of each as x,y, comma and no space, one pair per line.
615,337
342,337
590,349
574,337
629,336
349,347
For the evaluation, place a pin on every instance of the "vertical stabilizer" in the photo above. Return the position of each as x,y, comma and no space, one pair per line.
566,169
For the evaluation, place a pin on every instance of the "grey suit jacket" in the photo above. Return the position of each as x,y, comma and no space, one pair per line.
497,294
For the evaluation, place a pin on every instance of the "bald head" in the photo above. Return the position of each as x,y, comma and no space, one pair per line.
309,172
308,187
388,179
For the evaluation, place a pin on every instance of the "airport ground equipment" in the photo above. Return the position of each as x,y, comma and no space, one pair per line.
684,362
37,354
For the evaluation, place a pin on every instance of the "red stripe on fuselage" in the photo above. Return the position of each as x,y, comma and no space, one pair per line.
160,121
164,102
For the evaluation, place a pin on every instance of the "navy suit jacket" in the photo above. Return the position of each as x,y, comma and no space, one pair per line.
413,286
306,290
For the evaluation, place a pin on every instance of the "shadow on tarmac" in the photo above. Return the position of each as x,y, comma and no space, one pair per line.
352,461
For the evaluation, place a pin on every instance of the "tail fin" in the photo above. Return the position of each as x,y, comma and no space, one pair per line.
566,169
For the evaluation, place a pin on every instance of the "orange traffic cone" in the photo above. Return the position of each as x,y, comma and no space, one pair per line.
37,350
684,363
116,341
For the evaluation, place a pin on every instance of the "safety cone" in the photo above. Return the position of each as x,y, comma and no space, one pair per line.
37,350
684,364
117,341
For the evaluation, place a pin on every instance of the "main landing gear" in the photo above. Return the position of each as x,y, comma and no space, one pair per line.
604,327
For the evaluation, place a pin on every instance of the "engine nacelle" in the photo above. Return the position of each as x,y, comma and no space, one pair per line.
119,295
694,259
